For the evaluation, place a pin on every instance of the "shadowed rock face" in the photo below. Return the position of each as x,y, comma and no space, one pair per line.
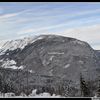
58,61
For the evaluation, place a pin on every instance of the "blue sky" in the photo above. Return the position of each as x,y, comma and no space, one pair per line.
78,20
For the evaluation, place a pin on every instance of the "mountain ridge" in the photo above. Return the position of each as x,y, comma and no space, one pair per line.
55,61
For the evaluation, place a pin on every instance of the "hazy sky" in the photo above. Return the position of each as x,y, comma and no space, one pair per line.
78,20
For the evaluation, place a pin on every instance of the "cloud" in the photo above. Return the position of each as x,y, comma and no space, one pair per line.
41,13
9,15
62,12
24,31
65,25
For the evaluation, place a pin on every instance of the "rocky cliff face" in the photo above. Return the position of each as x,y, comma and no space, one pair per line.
55,64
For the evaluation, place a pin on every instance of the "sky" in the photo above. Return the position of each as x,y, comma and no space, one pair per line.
70,19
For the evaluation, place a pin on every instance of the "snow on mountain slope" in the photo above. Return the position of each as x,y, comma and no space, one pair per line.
19,43
14,44
10,64
53,62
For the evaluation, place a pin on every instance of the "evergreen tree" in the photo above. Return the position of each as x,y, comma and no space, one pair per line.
98,91
85,91
1,83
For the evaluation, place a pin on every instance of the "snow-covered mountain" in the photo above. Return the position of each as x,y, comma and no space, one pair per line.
14,44
18,43
54,64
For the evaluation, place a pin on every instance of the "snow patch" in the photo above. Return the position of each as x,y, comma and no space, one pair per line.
9,94
79,42
51,58
21,67
19,43
38,38
43,95
12,67
32,95
31,71
66,66
55,52
7,54
1,60
10,64
81,62
2,52
14,44
50,72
